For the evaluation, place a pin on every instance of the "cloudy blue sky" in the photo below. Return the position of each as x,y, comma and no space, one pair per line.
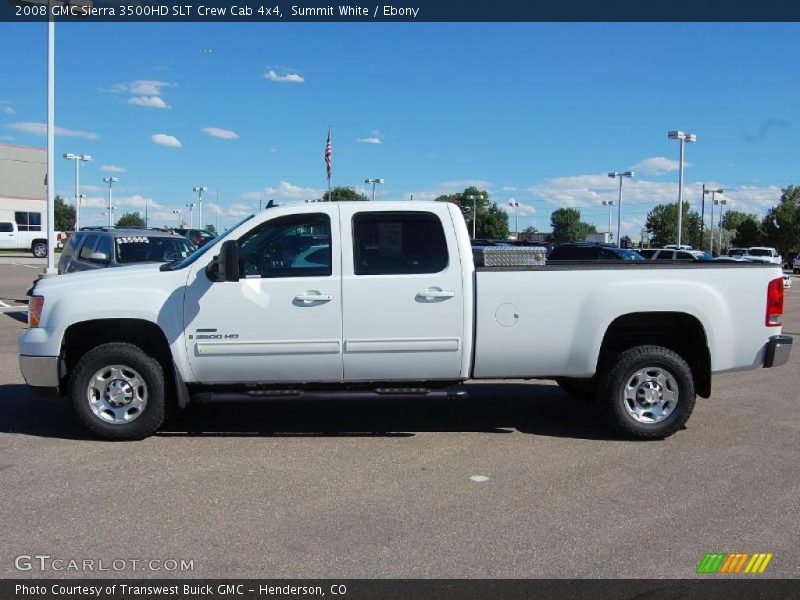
532,112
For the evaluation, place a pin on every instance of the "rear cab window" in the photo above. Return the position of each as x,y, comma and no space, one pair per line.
398,243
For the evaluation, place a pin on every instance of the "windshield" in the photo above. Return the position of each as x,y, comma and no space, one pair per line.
142,248
736,251
758,251
174,266
702,255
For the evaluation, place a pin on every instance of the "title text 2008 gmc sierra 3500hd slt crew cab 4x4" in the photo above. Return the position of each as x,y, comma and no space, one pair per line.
382,298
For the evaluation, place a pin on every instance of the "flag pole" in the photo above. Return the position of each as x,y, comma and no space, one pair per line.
330,167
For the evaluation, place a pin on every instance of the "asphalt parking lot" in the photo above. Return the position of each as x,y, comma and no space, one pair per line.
358,489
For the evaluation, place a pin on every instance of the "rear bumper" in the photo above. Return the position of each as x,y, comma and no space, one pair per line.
40,372
777,351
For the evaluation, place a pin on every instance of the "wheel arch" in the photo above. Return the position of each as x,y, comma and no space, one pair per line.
681,332
82,336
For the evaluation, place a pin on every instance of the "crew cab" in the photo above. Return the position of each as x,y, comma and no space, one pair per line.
390,301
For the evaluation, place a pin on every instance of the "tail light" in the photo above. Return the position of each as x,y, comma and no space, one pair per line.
35,306
774,303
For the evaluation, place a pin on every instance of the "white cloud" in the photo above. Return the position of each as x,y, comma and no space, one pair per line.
149,101
369,140
449,187
6,138
170,141
142,87
223,134
285,192
41,129
657,165
509,188
272,75
112,169
6,107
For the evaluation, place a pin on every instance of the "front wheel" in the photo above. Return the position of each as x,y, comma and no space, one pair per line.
648,392
39,249
117,392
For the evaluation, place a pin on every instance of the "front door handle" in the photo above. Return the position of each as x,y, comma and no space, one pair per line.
309,297
431,294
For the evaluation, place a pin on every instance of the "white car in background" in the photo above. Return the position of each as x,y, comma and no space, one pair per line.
764,254
787,281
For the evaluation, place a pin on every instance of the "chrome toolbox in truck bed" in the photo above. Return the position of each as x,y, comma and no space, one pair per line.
509,256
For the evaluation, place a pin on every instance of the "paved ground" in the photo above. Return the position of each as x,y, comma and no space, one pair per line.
359,489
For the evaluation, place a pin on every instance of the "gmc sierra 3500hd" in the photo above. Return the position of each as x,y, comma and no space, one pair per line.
385,298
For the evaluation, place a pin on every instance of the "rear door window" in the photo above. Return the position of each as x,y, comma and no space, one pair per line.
398,243
665,255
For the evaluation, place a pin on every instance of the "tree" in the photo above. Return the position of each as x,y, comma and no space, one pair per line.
568,227
471,199
492,220
529,229
64,215
747,232
626,242
781,225
662,223
211,229
133,219
343,194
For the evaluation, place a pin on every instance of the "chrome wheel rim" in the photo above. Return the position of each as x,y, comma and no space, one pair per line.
117,394
651,395
40,251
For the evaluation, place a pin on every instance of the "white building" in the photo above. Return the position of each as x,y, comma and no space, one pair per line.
23,188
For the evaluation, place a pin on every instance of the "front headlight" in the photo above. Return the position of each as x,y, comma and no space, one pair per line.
35,306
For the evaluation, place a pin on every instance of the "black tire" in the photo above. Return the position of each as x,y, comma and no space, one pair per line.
580,389
39,249
133,357
613,383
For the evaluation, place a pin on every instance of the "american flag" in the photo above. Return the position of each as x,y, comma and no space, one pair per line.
329,154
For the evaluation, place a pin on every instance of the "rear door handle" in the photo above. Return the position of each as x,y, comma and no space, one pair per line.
313,297
430,294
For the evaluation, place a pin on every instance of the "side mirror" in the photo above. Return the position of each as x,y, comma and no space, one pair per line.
100,257
228,261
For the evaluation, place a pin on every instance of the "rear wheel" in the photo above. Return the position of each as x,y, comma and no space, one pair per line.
39,249
117,392
648,392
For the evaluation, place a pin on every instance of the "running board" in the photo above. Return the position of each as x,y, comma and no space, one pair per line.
251,395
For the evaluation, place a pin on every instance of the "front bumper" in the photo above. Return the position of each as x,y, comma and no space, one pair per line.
40,371
777,351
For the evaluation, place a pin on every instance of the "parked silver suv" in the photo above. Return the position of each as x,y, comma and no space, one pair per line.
101,247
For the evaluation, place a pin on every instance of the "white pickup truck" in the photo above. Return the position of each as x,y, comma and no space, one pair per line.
33,240
384,298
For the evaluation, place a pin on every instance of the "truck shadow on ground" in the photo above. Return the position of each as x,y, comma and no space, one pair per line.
533,408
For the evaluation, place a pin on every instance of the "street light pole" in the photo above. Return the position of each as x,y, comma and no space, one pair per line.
177,214
609,204
78,158
200,189
51,142
722,204
110,181
374,183
515,204
712,192
621,176
474,198
190,206
683,138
